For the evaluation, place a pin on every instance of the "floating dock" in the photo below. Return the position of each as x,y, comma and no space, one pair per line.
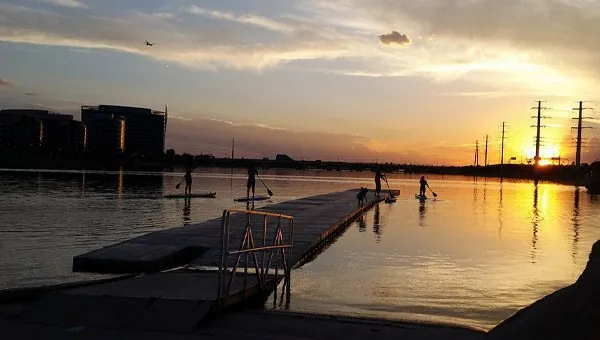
316,220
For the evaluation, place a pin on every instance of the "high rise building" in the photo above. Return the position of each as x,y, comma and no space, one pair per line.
140,131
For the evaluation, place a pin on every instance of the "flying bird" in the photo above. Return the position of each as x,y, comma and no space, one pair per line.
150,44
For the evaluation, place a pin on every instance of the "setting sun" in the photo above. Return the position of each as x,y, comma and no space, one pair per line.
547,152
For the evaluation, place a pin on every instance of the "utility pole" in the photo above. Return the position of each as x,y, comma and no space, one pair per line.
486,149
503,138
477,152
538,127
502,143
165,125
578,152
537,135
579,128
233,149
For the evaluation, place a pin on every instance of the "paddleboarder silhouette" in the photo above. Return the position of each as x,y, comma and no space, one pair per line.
378,177
251,183
424,185
188,181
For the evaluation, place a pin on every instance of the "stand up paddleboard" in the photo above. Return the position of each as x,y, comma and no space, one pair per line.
390,199
255,198
202,195
420,197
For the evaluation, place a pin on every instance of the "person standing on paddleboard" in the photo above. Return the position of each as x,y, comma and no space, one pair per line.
251,181
188,181
424,185
378,177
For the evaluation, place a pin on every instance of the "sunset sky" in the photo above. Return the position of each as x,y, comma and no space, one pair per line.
362,80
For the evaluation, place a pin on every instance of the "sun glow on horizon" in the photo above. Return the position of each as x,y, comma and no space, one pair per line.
547,152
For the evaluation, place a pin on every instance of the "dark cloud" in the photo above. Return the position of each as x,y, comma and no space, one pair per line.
394,38
30,94
6,82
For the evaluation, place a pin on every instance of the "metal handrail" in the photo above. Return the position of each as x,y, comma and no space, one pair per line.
248,248
258,249
258,212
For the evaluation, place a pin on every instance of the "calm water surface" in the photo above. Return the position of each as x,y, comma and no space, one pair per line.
474,256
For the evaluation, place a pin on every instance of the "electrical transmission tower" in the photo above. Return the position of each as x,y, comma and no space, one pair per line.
538,127
579,127
486,150
502,143
476,162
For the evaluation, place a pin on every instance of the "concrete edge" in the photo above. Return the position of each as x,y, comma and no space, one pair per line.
21,294
375,321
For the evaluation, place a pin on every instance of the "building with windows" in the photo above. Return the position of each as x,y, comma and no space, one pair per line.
20,130
26,130
132,131
62,135
104,134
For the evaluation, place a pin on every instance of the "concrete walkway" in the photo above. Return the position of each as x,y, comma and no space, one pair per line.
250,325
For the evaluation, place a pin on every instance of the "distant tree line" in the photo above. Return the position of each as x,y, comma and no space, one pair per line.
186,159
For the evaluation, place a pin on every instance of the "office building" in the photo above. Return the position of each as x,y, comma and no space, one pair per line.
20,130
61,134
26,130
104,134
140,131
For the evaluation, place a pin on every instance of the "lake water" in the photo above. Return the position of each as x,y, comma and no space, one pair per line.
473,256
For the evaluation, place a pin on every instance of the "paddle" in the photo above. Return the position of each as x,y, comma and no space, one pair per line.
434,194
392,197
269,191
388,185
